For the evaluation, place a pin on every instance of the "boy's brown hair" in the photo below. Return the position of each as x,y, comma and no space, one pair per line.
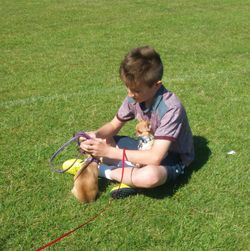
141,65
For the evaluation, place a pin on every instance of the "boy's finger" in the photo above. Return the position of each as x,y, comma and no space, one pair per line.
81,139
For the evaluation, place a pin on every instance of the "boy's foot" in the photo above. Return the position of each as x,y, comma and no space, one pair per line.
122,191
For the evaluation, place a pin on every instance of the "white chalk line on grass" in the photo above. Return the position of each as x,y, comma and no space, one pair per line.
64,96
88,92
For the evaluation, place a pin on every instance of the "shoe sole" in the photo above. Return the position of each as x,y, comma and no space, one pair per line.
122,193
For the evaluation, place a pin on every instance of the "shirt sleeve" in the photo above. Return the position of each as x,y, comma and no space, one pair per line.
126,111
170,124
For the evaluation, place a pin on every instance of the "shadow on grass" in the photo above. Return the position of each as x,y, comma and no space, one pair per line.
103,184
202,153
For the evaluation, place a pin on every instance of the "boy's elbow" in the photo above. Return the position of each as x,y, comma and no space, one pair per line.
156,160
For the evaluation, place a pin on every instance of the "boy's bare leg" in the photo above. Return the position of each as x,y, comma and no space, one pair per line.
146,177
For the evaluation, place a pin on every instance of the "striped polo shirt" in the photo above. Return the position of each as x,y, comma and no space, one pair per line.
168,120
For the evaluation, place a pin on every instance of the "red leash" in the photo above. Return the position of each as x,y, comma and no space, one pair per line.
124,157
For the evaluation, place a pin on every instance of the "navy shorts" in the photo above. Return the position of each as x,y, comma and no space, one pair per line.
172,162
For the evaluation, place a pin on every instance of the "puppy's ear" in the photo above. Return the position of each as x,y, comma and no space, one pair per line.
138,132
138,125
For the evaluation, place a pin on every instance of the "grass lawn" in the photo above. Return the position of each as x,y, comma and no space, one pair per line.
59,74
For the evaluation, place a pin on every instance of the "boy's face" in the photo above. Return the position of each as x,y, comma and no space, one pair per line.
144,93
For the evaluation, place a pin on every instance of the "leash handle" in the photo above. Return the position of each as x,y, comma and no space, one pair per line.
75,138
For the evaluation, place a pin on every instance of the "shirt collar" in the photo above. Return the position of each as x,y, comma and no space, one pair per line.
156,102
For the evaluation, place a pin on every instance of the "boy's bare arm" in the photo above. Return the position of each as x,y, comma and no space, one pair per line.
154,156
110,129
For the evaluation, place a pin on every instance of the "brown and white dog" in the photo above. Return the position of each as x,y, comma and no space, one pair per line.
145,136
86,182
144,133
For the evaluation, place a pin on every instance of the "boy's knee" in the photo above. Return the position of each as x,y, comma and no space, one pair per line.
152,176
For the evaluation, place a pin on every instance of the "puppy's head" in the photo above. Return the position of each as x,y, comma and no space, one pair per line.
143,128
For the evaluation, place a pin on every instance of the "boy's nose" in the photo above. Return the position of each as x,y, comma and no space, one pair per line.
130,94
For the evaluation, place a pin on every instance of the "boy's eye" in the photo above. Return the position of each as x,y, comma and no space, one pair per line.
136,91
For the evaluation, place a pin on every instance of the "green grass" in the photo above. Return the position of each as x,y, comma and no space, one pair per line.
59,74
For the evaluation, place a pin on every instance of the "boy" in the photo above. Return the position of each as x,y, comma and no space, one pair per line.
141,71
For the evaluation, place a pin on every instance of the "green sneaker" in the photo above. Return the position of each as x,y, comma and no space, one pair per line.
122,191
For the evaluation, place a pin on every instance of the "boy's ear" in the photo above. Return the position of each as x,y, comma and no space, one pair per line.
159,83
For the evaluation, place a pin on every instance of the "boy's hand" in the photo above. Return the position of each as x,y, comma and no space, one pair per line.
96,147
91,134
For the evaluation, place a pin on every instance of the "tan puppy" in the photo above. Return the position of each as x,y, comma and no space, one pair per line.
86,182
144,133
145,136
